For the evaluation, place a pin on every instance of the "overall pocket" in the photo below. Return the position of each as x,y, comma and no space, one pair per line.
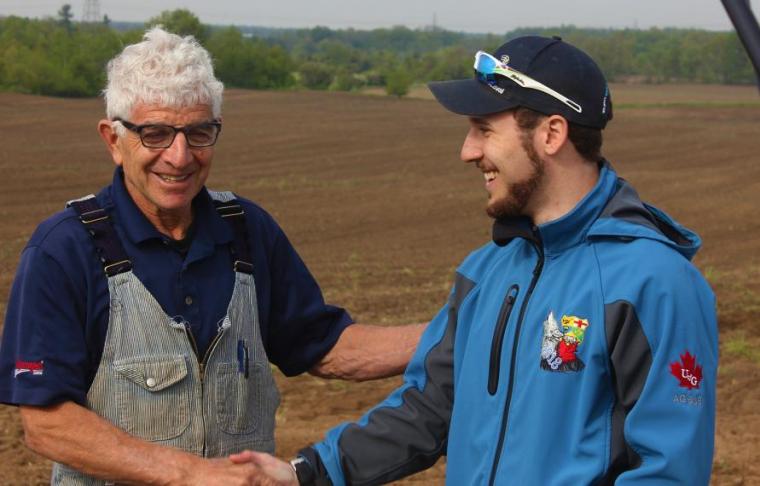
153,396
246,405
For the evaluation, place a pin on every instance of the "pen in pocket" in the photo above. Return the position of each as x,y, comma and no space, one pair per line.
242,357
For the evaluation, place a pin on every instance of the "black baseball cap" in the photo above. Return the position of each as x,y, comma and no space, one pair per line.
549,60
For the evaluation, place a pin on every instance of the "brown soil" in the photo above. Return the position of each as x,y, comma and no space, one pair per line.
371,192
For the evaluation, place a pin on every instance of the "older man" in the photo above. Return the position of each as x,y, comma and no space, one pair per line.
580,346
142,321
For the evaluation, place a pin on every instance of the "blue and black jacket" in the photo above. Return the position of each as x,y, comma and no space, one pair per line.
582,351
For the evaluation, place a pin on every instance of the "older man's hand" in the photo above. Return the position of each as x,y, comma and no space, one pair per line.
221,472
270,470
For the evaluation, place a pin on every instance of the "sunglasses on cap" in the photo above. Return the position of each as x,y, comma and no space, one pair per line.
487,67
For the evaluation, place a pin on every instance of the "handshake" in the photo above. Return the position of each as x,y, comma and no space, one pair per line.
246,468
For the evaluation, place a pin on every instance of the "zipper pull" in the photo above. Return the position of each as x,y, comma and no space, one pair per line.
512,295
178,322
224,324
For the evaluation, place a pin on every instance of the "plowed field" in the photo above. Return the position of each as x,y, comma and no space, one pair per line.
372,194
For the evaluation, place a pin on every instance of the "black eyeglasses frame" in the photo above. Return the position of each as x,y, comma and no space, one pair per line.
184,129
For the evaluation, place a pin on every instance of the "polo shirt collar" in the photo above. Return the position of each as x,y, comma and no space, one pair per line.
210,228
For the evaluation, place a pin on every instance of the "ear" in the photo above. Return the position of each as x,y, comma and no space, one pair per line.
108,133
553,134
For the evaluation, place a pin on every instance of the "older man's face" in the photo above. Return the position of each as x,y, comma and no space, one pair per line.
163,182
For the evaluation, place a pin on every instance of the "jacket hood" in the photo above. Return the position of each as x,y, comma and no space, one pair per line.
625,216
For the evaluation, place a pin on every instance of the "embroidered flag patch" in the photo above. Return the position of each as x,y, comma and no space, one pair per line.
33,367
559,347
687,372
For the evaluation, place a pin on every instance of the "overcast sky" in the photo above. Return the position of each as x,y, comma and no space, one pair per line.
459,15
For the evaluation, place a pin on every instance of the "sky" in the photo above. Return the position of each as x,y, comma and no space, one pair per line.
458,15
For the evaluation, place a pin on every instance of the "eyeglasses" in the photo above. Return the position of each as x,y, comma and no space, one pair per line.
158,136
487,66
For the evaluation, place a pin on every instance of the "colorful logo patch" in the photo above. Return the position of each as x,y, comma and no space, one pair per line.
33,367
559,346
687,372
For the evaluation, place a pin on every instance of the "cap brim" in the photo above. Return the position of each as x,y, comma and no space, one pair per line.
470,97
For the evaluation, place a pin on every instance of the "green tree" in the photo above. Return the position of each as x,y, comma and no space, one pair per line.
346,81
65,16
337,53
247,63
320,33
132,36
58,57
447,63
397,82
181,22
43,57
737,67
315,75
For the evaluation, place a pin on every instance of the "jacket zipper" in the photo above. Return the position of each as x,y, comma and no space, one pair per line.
536,274
498,338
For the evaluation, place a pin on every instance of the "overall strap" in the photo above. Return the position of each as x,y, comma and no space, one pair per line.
232,212
97,222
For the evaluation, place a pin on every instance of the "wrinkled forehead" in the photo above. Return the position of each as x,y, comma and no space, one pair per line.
152,112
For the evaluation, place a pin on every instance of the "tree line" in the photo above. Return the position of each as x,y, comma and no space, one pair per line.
60,57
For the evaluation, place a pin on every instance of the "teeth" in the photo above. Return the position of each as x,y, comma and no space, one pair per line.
169,178
490,175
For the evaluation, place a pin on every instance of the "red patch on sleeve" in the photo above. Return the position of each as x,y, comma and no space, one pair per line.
33,367
688,372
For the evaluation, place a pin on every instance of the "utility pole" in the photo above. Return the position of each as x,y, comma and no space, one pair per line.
91,11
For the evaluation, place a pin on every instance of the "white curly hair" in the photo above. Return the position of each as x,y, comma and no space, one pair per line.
163,69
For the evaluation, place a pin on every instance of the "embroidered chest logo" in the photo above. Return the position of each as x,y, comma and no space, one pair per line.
559,345
687,372
33,367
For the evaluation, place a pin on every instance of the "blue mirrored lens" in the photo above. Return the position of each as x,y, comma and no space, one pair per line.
485,64
486,78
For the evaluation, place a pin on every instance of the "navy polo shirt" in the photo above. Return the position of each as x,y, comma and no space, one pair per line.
57,314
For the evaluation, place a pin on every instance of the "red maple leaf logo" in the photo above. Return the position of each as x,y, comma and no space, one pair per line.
688,372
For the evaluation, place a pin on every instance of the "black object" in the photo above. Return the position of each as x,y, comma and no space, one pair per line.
549,60
304,471
744,21
197,135
111,253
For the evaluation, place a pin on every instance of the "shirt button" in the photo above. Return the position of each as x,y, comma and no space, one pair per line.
151,382
188,300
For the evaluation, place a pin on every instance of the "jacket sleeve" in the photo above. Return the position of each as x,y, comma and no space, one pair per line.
663,348
408,431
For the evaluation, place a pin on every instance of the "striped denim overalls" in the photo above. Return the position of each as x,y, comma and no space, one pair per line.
151,382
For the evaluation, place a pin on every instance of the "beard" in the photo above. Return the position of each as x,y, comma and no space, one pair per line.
519,193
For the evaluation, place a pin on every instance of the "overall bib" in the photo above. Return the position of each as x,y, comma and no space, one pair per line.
152,383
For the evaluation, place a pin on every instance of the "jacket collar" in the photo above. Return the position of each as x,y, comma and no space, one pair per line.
567,231
612,209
